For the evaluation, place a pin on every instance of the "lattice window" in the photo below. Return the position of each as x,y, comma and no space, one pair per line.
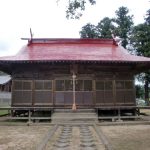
60,85
119,85
17,85
48,85
22,85
26,85
87,85
104,92
22,92
99,85
128,85
125,91
43,92
79,85
108,85
43,85
39,85
68,85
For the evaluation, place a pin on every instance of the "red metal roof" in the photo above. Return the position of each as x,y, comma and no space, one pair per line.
74,50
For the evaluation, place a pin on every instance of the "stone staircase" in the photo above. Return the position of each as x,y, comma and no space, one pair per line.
69,116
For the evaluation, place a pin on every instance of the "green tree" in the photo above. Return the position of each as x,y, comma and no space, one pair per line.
139,91
102,30
120,25
147,19
140,41
89,31
105,27
76,7
124,24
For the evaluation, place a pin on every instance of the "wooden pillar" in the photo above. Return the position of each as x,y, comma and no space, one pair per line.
73,70
29,117
74,92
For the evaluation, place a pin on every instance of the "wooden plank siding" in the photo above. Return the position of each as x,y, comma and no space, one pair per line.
96,85
107,96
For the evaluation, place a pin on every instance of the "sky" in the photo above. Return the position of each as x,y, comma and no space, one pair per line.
47,19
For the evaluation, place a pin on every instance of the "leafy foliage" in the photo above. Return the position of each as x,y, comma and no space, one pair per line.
147,19
102,30
140,41
120,26
76,8
124,24
139,91
89,31
105,28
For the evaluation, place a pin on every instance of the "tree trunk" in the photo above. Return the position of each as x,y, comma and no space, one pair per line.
146,91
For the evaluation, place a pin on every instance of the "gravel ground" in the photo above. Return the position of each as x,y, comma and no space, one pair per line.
127,137
21,137
136,137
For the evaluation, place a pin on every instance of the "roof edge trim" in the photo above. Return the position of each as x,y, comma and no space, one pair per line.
69,41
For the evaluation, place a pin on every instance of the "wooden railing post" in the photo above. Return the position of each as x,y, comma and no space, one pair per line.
29,117
119,114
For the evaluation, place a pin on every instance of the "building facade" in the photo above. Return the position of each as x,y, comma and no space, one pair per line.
87,73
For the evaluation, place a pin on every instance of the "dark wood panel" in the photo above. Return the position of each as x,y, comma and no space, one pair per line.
79,98
129,96
42,97
59,98
119,96
88,98
100,97
68,98
109,97
22,97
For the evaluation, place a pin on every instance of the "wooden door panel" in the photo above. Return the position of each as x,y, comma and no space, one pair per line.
68,98
59,97
79,98
88,98
99,97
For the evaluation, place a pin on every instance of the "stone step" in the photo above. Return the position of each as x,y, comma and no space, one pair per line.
74,122
73,114
81,116
75,118
77,110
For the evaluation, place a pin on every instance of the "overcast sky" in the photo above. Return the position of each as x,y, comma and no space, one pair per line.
47,19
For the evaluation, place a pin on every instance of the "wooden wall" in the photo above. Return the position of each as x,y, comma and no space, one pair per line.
51,85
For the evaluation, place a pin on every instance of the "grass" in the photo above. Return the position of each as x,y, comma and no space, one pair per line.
3,112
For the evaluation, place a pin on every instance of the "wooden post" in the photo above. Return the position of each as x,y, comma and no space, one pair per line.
29,117
119,115
74,94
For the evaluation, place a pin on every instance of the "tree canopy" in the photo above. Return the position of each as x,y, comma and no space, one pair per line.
120,25
140,41
124,23
101,30
89,31
105,28
76,7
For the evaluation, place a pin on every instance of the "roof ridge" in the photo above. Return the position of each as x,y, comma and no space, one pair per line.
69,41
